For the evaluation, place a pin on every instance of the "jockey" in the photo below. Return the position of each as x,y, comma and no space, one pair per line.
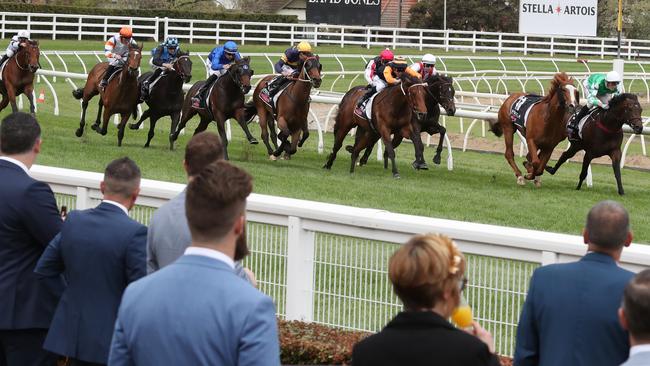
286,66
386,75
116,51
220,60
162,58
427,67
600,89
384,58
16,41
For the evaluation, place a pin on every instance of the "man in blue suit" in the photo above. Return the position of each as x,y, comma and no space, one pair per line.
634,315
100,251
570,313
197,311
29,219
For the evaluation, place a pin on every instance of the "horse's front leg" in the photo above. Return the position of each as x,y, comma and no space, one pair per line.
4,102
418,146
100,107
573,149
121,127
29,92
360,144
283,136
293,148
221,126
544,156
11,96
390,152
585,166
533,161
443,131
616,165
305,134
241,119
145,115
152,128
508,135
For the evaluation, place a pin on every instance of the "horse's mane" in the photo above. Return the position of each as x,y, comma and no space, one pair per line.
620,98
558,81
439,77
183,53
409,80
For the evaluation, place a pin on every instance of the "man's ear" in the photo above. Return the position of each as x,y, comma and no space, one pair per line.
37,146
621,318
240,224
185,167
102,187
585,236
628,239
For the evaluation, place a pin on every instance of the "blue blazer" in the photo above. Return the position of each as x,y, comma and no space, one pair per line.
29,219
570,315
100,251
196,311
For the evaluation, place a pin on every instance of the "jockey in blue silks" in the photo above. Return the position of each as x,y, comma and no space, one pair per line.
220,60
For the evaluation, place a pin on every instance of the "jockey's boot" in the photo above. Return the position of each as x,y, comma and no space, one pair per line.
196,100
109,71
272,88
4,58
363,100
572,126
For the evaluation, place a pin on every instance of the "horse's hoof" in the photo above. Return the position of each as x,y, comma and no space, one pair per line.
273,157
420,166
396,176
95,128
328,167
529,176
133,126
621,193
521,181
79,132
550,170
104,131
436,159
146,146
538,183
349,148
253,141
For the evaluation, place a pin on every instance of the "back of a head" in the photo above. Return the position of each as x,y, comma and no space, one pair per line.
608,225
121,178
636,305
215,198
423,268
203,149
19,133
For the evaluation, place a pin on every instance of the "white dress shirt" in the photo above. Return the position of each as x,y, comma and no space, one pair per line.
17,162
639,349
211,253
121,206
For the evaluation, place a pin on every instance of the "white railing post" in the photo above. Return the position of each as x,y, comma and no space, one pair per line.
473,42
79,27
83,198
552,45
525,45
157,30
577,47
368,38
3,26
268,34
54,28
500,43
166,28
300,271
549,258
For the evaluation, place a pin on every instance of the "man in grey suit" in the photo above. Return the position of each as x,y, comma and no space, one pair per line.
197,311
634,315
169,234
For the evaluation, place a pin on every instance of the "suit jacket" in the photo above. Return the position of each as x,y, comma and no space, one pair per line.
169,236
100,251
570,315
195,311
641,358
421,338
29,219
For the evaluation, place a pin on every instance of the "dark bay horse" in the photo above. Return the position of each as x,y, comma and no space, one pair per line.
226,101
292,108
545,127
18,76
440,92
393,110
119,96
166,96
602,135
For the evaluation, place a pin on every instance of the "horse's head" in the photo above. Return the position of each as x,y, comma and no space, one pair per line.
183,66
442,89
416,93
626,108
134,58
311,69
242,74
31,54
567,93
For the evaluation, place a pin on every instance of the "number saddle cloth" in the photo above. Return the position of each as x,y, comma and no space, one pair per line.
521,108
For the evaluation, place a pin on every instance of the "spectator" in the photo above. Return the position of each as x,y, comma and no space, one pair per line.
197,311
169,235
634,316
569,317
100,251
427,274
29,219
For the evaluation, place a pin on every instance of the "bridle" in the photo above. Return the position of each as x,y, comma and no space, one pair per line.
237,80
407,93
308,78
28,67
175,65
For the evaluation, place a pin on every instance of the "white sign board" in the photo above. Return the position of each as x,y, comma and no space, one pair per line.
558,17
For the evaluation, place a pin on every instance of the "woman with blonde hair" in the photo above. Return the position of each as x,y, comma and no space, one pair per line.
427,274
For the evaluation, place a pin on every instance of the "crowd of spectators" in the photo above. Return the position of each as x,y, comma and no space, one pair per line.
100,288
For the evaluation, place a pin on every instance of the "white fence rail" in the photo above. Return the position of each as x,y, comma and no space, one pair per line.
327,263
192,30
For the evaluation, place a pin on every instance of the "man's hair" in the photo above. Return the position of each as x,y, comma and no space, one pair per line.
202,149
215,199
608,225
636,305
18,133
122,177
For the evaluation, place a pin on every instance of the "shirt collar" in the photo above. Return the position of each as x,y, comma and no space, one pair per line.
211,253
121,206
17,162
641,348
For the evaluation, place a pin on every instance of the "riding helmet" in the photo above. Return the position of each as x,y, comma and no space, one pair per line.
23,34
429,59
386,55
613,77
304,46
126,32
230,47
398,63
171,42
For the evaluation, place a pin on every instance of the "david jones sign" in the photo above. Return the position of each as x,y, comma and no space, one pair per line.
568,17
349,12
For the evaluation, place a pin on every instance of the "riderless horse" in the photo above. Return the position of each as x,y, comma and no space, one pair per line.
18,76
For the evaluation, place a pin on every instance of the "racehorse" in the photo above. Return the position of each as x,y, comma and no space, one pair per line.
393,110
602,134
166,98
545,126
119,96
440,92
291,109
18,76
225,101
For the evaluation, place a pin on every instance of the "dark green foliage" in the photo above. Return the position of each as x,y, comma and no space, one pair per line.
480,15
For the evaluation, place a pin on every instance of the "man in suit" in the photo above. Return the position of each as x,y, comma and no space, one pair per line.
29,219
100,251
197,311
169,234
634,316
570,313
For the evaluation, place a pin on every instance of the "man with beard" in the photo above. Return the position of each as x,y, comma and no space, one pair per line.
197,311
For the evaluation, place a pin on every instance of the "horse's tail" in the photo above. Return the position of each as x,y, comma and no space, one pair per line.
495,127
249,111
78,94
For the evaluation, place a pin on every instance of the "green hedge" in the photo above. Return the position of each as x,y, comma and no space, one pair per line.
148,13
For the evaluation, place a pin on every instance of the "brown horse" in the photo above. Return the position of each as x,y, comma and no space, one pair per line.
545,126
602,134
292,108
226,101
119,96
393,111
18,76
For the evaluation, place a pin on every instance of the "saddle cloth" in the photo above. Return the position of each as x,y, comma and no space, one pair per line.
277,95
2,67
115,72
581,123
367,108
521,108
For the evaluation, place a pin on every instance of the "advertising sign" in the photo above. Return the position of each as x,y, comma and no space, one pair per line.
346,12
558,17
